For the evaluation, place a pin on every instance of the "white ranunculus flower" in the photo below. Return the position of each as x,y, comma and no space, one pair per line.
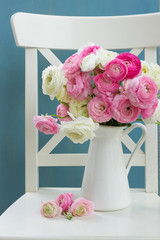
105,56
155,117
63,95
146,69
84,46
79,108
80,129
89,62
155,74
53,80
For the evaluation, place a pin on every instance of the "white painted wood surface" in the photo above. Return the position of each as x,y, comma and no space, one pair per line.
59,32
130,144
23,220
151,173
136,51
51,144
79,159
28,30
49,55
31,109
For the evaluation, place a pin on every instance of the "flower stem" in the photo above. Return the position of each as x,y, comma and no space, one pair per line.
138,119
67,215
54,115
66,104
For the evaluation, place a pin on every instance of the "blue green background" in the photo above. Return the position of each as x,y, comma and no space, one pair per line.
12,165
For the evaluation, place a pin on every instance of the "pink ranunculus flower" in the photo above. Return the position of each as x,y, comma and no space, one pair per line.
46,124
65,201
88,50
50,209
104,95
149,111
104,84
98,109
123,88
142,91
71,67
115,70
82,207
80,87
122,110
132,62
62,111
99,94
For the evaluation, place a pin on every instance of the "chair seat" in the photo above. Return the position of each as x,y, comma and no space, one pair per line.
23,220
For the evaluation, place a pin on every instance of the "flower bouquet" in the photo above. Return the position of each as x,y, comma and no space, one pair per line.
96,87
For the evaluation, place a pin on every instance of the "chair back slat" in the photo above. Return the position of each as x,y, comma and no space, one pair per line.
76,159
151,170
59,32
50,56
51,144
136,51
130,144
31,109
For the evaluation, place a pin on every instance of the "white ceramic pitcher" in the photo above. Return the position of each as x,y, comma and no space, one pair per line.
105,178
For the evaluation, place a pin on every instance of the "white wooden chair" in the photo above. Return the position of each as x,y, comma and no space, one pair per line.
22,220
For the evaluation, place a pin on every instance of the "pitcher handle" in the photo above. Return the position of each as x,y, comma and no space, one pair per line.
140,142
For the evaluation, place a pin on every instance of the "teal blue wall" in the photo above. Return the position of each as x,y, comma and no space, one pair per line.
12,93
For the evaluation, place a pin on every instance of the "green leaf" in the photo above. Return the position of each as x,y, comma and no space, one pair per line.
113,122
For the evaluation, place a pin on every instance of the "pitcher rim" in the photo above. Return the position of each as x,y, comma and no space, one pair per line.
102,126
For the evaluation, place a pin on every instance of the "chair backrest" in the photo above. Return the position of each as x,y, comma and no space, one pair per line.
43,32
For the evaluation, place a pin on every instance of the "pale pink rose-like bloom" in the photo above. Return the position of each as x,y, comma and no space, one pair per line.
132,62
62,111
82,207
88,50
124,86
104,95
142,91
46,124
65,201
115,70
105,85
80,86
149,111
122,110
98,109
97,93
50,209
71,67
